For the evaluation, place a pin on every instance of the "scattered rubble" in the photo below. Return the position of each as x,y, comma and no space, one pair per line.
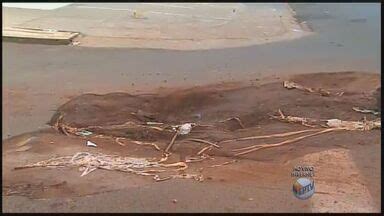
91,144
293,85
358,109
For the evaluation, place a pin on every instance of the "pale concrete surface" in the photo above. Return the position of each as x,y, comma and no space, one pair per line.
166,25
39,6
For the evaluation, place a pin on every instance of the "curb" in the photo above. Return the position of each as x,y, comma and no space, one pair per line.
39,36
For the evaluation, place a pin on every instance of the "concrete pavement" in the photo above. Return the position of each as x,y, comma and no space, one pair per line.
165,26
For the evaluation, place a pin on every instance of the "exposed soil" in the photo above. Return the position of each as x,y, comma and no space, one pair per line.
209,107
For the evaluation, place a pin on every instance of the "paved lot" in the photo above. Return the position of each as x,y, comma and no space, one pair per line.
165,26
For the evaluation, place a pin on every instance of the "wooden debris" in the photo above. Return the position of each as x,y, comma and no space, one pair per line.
147,143
323,92
361,110
25,141
332,123
293,119
204,149
235,118
196,159
172,142
23,148
364,125
182,165
203,141
270,136
223,164
263,146
158,179
154,123
164,158
196,177
293,85
117,140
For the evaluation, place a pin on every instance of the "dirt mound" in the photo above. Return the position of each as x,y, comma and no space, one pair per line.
219,113
144,125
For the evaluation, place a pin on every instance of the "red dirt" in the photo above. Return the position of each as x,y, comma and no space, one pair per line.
269,168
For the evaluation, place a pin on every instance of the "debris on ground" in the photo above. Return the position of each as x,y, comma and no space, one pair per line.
207,148
364,125
91,144
293,85
23,148
332,124
362,110
269,136
89,162
154,123
204,141
185,129
84,133
197,177
26,141
117,140
159,123
147,144
172,142
253,148
191,159
138,15
294,119
75,43
234,118
223,164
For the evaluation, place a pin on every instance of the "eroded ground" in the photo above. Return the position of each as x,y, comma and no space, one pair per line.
347,163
